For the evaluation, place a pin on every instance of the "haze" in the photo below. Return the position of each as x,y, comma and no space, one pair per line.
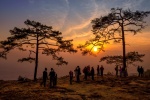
73,19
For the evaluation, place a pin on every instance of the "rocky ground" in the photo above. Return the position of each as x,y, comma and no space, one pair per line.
106,88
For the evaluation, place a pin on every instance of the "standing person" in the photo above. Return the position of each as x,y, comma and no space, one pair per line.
116,69
75,72
52,77
44,77
126,72
120,71
55,79
78,74
85,71
92,73
98,70
142,71
71,76
123,71
102,70
138,70
88,70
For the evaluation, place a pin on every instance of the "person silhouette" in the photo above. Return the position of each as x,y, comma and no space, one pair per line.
88,70
71,76
116,69
98,71
78,73
123,71
85,71
120,71
55,79
142,71
45,77
52,78
102,70
138,70
92,73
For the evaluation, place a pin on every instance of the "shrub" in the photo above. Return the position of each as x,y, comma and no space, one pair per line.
23,79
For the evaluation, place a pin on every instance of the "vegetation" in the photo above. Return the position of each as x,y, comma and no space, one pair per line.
131,58
112,27
3,55
35,38
106,88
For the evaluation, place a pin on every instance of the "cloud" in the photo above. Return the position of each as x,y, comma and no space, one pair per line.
73,18
79,21
53,13
132,4
31,1
67,2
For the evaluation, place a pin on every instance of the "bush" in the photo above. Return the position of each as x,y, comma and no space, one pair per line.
23,79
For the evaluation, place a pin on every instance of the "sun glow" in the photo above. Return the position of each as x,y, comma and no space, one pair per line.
95,49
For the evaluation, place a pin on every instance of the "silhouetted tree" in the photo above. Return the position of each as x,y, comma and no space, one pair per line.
37,37
2,52
113,27
131,58
3,55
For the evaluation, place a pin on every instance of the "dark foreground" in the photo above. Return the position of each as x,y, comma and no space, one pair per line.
106,88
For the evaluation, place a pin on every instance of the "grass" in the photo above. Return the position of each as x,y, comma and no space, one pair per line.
106,88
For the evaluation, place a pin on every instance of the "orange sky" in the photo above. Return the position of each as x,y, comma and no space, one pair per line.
73,19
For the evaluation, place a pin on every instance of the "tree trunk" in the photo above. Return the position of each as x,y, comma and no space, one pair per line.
124,49
36,58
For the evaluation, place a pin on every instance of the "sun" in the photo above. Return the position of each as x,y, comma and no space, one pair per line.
95,49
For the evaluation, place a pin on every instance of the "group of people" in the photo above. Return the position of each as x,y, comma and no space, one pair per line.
121,70
87,71
53,78
100,70
140,71
77,72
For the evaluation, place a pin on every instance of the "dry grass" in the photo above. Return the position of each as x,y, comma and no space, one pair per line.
106,88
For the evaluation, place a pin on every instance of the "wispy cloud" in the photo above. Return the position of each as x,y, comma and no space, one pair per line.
54,13
81,20
74,18
31,1
67,2
132,4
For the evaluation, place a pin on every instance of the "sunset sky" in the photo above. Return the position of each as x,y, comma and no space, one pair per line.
73,19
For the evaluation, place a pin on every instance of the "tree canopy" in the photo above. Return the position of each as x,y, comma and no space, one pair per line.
35,38
112,27
3,55
131,58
